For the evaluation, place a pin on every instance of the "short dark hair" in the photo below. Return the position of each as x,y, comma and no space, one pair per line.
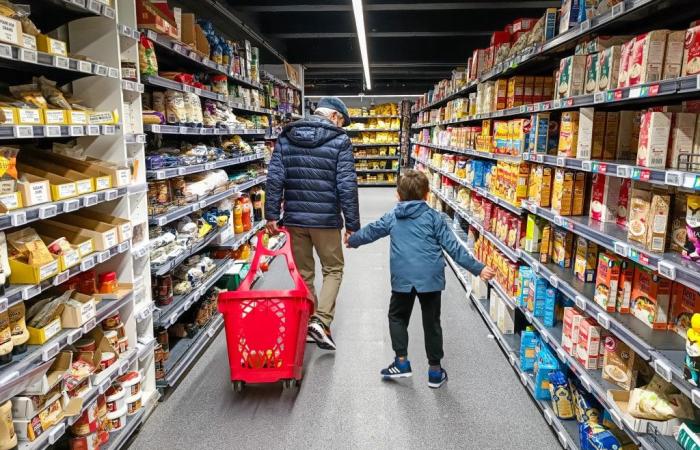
413,185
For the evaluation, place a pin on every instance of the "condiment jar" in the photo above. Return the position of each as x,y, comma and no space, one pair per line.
131,383
113,337
114,396
112,322
86,344
108,283
116,419
108,358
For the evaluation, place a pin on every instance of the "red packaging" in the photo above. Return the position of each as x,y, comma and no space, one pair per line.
523,24
500,37
625,56
691,51
624,202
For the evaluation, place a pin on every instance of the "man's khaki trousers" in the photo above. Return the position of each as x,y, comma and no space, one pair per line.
329,247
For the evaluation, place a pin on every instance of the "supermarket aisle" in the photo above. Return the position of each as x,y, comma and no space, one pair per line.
342,402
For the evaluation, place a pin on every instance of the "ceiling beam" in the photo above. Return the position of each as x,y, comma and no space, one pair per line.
379,34
524,4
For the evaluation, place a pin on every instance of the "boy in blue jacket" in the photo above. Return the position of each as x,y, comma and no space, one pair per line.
418,236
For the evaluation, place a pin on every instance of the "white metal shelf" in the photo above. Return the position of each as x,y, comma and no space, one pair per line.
55,131
16,57
170,172
202,131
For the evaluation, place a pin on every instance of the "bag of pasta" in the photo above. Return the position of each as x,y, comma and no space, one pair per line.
148,64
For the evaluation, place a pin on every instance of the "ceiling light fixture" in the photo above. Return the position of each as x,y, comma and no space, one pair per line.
360,25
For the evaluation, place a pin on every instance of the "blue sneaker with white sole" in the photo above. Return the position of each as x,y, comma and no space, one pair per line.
437,378
397,369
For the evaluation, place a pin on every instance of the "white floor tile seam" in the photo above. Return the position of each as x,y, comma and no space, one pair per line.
342,402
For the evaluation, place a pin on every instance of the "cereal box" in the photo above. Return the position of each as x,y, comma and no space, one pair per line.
624,286
572,75
607,279
623,205
673,57
584,143
588,346
562,191
684,303
658,222
654,134
546,243
651,295
647,57
638,223
591,82
570,330
563,244
586,259
609,68
682,137
677,234
568,134
605,196
619,363
625,56
691,51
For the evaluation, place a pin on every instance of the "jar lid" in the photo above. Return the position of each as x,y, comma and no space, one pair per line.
114,392
130,378
85,342
108,356
110,334
108,277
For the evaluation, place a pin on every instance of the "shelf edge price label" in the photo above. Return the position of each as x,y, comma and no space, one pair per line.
695,396
74,336
90,200
49,351
92,130
5,51
77,130
623,171
87,264
554,281
113,72
111,194
94,6
586,165
85,66
108,129
23,131
177,47
155,128
108,12
621,249
101,70
61,62
182,130
663,370
604,320
561,161
673,178
585,25
617,9
70,205
52,131
667,270
47,211
580,303
599,97
29,56
635,92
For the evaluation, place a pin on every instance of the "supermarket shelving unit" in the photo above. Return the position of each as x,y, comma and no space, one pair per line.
663,350
389,160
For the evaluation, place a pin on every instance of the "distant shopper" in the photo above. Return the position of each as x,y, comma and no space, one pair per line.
419,234
312,178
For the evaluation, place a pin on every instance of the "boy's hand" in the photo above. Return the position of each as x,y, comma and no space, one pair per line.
487,273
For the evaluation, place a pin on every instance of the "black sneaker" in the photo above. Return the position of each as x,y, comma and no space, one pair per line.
321,334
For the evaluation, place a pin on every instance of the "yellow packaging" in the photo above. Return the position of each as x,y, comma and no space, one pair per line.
563,191
112,118
545,195
11,200
563,244
78,118
523,176
61,187
83,244
38,336
23,273
568,134
546,243
586,259
9,115
579,193
56,116
29,116
51,46
29,41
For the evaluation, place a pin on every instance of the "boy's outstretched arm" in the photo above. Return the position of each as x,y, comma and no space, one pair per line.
453,248
375,230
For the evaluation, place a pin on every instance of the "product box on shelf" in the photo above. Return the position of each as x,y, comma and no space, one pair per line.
624,286
628,135
588,346
605,192
654,134
29,428
651,295
123,226
78,117
607,279
24,273
76,315
67,258
506,318
586,259
563,191
647,57
621,399
579,195
156,16
562,247
685,302
568,134
682,137
10,31
51,46
38,336
591,134
103,236
56,116
54,375
83,244
84,184
619,363
609,68
691,51
29,116
673,57
61,188
571,76
591,83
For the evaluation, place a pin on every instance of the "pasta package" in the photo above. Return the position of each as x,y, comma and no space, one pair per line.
176,110
148,64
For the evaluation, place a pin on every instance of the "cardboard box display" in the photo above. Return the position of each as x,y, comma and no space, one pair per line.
29,116
23,273
654,134
691,51
123,225
79,117
82,243
624,286
609,68
10,201
673,56
684,303
621,400
586,259
651,295
10,31
103,236
29,41
74,316
605,197
8,116
56,116
647,57
54,375
84,184
120,175
607,279
571,77
588,346
67,258
38,336
568,134
61,188
51,46
157,17
682,137
619,363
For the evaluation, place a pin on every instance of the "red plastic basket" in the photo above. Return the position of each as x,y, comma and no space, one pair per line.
266,330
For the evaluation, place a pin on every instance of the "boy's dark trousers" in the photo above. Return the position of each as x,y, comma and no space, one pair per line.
399,315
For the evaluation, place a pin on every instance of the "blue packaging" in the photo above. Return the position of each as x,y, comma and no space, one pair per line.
537,294
550,23
549,318
524,274
545,364
529,341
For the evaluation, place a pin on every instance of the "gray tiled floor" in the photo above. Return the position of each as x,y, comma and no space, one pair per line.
342,403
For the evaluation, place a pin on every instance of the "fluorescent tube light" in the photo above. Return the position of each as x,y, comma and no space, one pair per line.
362,38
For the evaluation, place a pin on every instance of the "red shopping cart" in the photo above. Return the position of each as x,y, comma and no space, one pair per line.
266,330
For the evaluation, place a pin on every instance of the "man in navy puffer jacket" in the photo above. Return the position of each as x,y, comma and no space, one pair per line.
312,179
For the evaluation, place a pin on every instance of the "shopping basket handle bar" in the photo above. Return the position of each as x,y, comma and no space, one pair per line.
244,291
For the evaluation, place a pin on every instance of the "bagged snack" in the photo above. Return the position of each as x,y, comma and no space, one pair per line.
26,243
176,111
51,93
158,102
561,395
147,57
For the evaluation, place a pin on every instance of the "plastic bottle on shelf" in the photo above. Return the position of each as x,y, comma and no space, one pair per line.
8,437
238,217
247,213
18,328
5,338
259,205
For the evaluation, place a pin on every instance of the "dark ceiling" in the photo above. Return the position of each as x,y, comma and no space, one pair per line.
411,43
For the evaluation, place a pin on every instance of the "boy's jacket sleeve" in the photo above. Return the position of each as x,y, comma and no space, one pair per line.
453,248
375,230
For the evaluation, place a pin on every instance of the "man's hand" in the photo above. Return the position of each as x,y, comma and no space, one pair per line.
272,227
487,273
346,238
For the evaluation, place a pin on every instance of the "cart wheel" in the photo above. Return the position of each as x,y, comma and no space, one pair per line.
290,384
237,386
